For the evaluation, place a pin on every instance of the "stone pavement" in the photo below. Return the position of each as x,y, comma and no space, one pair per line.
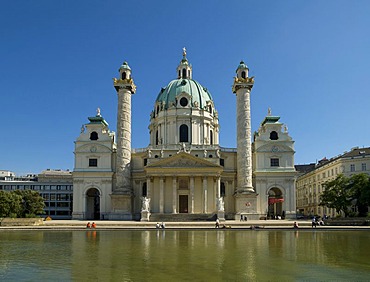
229,224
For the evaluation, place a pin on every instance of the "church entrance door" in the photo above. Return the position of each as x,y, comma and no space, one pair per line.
275,203
183,203
92,204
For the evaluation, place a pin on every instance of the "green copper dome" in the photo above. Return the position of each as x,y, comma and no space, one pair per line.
199,94
124,66
242,65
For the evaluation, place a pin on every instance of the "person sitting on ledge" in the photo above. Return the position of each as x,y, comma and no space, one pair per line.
295,225
88,225
93,225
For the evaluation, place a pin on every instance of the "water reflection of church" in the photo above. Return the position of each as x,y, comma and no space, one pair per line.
184,173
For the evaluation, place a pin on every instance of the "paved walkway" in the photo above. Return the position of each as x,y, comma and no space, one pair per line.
233,224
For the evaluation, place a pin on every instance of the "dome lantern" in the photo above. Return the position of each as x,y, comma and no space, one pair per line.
184,70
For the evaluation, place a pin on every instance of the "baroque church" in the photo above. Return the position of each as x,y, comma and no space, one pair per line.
184,173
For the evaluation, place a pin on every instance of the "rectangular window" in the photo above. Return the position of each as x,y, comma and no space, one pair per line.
274,162
363,167
222,189
352,167
63,205
93,162
222,162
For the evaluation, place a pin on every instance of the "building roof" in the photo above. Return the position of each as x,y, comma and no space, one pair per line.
305,168
270,119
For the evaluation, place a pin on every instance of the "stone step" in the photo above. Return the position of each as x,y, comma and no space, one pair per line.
181,217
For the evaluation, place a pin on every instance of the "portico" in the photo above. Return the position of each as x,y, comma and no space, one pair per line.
183,184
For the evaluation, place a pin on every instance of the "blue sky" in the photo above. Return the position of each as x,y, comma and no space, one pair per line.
310,60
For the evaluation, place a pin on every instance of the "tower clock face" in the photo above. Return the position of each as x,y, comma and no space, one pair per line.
275,148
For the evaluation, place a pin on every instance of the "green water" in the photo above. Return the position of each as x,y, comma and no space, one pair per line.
185,255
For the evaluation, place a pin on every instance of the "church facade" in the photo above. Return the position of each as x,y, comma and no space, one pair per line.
184,173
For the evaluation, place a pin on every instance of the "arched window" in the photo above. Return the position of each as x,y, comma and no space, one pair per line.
211,137
156,138
94,136
183,73
179,73
184,133
243,74
124,75
274,135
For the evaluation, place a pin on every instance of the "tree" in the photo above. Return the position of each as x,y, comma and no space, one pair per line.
10,204
344,192
360,186
21,203
337,194
32,203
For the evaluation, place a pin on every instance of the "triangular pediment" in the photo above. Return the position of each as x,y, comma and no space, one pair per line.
183,160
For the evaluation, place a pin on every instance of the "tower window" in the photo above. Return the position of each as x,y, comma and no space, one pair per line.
93,162
94,136
156,138
222,162
274,162
211,137
274,135
183,102
179,73
123,75
184,133
243,74
183,73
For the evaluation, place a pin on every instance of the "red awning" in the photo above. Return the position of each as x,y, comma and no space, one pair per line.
275,200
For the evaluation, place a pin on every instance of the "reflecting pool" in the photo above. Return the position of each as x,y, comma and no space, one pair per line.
185,255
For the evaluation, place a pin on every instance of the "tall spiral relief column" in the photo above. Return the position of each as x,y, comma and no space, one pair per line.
242,87
125,87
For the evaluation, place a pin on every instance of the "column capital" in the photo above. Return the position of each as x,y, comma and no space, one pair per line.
240,83
124,84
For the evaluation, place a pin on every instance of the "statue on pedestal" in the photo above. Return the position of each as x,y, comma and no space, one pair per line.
221,204
145,204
